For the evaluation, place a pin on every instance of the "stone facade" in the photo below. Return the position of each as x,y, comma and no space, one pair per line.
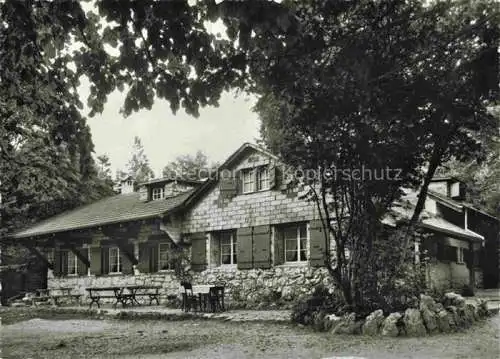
254,288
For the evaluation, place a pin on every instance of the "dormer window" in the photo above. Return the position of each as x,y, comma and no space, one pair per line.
157,193
129,183
248,178
255,179
262,178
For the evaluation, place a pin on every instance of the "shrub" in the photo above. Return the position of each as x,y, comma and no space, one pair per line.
312,309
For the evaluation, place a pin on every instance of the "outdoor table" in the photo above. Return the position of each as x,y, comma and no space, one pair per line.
204,290
153,292
120,297
123,294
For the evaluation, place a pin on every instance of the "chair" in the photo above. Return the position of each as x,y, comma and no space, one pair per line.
216,298
189,300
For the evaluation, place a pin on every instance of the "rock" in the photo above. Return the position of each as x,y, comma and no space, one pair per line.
453,316
429,318
373,323
454,299
347,325
428,302
287,293
333,320
390,327
414,324
443,321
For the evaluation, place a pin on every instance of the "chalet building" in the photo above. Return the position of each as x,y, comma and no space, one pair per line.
246,226
446,199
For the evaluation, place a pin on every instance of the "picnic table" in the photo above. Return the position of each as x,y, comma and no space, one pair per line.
123,294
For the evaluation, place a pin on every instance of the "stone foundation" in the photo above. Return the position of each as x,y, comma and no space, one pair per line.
279,286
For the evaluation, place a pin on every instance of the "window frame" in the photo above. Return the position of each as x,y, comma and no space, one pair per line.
157,190
74,266
298,239
118,261
233,248
258,178
250,174
169,260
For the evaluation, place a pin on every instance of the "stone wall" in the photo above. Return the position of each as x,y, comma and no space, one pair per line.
280,286
167,280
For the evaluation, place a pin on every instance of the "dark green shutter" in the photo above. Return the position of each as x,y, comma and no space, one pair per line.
262,246
82,267
153,257
272,176
198,251
244,244
57,263
144,256
128,250
279,247
228,187
105,260
95,261
64,262
318,243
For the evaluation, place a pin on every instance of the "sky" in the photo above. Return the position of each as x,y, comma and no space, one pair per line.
218,132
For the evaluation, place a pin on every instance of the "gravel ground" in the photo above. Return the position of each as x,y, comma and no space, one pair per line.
77,338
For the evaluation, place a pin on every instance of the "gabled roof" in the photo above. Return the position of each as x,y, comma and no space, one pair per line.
169,179
115,209
458,205
403,210
234,158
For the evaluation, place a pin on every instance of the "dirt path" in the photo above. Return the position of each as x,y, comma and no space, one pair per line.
39,338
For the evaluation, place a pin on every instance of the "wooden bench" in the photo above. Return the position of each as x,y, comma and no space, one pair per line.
151,292
116,293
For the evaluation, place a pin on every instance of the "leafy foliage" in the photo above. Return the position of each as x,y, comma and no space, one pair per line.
138,166
190,167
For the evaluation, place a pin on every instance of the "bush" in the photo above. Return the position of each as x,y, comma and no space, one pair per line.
312,309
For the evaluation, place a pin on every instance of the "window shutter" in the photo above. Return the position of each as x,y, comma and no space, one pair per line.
272,176
239,184
153,258
64,262
95,261
144,256
317,244
262,246
228,187
57,263
244,244
198,251
82,267
279,247
105,260
127,267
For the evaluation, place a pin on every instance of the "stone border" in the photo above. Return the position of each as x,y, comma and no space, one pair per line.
451,314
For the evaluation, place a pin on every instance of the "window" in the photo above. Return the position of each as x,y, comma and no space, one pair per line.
255,179
295,237
115,265
157,193
460,255
49,254
262,178
164,262
248,180
72,263
228,252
